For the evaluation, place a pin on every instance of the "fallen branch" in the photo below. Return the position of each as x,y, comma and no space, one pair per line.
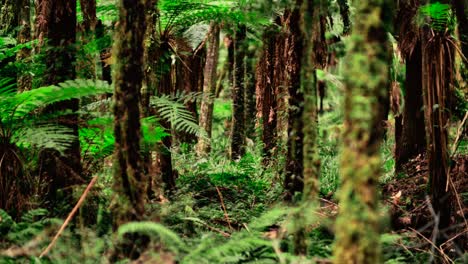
69,217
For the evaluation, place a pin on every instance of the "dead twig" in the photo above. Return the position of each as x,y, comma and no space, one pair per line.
224,208
69,217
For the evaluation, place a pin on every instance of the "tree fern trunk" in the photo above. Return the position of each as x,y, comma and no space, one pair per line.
366,76
209,90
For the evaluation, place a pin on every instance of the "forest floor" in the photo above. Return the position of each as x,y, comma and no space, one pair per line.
411,209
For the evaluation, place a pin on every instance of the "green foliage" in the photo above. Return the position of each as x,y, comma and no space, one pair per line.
170,239
21,124
440,16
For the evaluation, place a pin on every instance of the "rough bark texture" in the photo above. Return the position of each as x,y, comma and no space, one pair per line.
130,184
209,90
250,100
164,156
238,93
8,17
294,170
366,76
148,89
62,171
24,78
412,140
86,68
266,100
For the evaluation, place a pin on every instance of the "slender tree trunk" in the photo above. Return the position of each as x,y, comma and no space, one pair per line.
294,179
63,171
357,226
24,78
412,140
86,68
250,95
266,93
238,94
8,17
164,156
209,90
130,184
151,59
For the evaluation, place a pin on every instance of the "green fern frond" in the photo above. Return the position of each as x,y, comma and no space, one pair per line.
440,15
175,112
152,229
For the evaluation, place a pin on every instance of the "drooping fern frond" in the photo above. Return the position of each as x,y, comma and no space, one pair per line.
174,111
170,239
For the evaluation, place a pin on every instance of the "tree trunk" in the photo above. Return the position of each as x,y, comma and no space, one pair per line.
238,93
412,140
130,184
24,79
8,17
266,93
250,95
86,68
437,77
294,180
63,171
209,90
357,226
164,156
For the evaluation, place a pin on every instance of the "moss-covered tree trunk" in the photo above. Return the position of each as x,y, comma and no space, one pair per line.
294,178
238,95
209,90
130,184
24,78
366,78
60,31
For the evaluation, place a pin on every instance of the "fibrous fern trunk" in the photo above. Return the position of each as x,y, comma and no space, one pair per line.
209,90
366,78
437,77
128,174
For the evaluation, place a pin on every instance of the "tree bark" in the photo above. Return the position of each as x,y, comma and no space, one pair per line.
412,140
86,68
209,90
357,226
60,31
294,178
250,94
238,96
266,100
24,78
130,184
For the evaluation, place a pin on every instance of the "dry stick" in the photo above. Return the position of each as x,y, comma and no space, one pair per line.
224,208
459,133
70,216
446,258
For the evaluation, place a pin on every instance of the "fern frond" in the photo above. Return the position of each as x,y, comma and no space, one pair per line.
175,112
152,229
